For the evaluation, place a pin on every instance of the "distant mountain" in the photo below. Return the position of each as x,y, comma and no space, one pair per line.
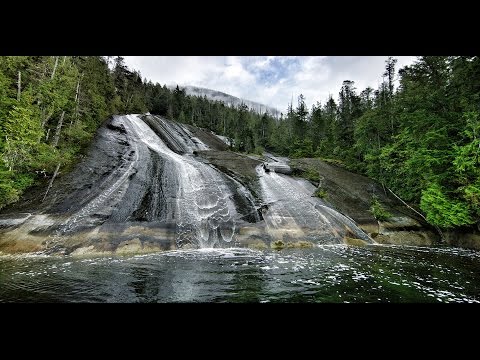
229,99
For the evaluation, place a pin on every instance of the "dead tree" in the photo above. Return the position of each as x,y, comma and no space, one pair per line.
19,85
58,130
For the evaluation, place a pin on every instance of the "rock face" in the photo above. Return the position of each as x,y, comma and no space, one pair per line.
470,240
277,167
149,184
352,194
402,230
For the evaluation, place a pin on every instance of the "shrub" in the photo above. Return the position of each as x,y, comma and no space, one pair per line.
321,193
442,211
311,174
379,211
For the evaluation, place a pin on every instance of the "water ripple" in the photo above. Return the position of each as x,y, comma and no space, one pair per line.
334,273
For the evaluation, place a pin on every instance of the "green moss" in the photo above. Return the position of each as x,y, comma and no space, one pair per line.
321,193
300,169
312,175
300,244
334,162
355,242
277,245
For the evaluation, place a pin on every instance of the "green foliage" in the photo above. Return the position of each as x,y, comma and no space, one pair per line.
22,132
23,181
471,194
12,185
443,211
46,158
467,157
334,162
379,211
321,193
311,174
81,88
8,191
302,149
258,150
78,134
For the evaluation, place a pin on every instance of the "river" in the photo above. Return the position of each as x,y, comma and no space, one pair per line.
325,273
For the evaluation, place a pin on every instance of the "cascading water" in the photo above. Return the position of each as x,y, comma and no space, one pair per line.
150,184
294,213
204,209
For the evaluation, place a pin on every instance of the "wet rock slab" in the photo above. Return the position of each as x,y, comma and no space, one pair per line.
148,184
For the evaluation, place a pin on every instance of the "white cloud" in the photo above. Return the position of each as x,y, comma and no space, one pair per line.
262,62
271,80
183,70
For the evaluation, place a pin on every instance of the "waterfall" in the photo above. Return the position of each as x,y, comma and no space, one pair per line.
205,211
150,184
293,213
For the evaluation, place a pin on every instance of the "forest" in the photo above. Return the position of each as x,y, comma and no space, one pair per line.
420,138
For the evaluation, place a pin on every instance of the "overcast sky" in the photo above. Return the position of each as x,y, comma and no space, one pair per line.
270,80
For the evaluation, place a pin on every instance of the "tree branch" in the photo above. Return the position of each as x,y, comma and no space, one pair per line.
420,214
51,181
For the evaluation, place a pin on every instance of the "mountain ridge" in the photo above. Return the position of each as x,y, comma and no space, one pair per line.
228,99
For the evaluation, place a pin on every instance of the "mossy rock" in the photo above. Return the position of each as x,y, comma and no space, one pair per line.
355,242
321,193
277,245
300,244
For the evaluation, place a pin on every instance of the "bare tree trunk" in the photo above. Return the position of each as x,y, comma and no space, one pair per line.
51,181
47,136
76,92
58,130
54,68
128,101
423,217
390,116
380,162
19,85
64,58
44,122
76,103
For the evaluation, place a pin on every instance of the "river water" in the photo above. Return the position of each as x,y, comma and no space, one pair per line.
327,273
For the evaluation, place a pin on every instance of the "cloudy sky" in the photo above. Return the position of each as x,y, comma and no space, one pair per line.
271,80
